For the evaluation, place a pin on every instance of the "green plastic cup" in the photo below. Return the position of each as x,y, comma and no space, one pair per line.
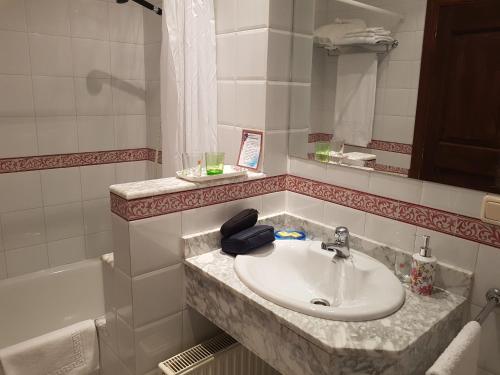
214,162
322,151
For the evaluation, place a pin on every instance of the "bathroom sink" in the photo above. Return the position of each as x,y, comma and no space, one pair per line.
300,276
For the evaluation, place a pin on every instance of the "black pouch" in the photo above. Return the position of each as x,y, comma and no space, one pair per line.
241,221
247,240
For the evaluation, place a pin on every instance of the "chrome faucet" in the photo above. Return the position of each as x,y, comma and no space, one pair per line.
341,244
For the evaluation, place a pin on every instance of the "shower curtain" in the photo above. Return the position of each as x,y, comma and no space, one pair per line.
188,81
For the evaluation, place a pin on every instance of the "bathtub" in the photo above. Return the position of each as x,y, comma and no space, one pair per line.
43,301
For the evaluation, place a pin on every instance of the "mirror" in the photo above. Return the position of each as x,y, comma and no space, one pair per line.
355,73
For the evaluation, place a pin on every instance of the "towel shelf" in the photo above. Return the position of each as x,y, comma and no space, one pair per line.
380,48
493,298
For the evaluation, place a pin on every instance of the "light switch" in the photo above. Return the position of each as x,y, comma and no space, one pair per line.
490,210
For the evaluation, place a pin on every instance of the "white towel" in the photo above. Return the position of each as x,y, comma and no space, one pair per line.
71,350
376,39
328,35
355,98
460,357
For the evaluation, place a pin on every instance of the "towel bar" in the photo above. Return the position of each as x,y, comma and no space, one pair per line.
493,298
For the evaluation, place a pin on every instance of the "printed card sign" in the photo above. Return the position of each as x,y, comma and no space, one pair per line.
251,146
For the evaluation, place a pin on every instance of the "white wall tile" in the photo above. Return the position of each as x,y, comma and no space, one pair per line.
155,243
13,15
16,96
66,251
122,286
300,106
130,131
251,54
226,102
127,61
302,58
110,363
157,294
23,228
226,56
93,96
277,106
157,341
274,203
64,221
89,19
252,14
96,133
125,23
489,346
251,104
121,239
96,180
225,16
17,136
228,141
57,135
450,250
54,96
97,244
91,58
96,215
20,191
61,186
390,232
394,128
281,14
26,260
279,54
453,199
125,344
129,97
401,188
352,178
15,52
3,266
337,215
486,273
48,17
196,328
50,55
132,171
275,153
306,207
212,217
308,169
152,53
303,17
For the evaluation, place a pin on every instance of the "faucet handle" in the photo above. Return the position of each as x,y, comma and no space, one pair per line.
342,233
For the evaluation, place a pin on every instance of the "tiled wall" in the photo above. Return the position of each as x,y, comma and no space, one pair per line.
253,68
483,260
146,315
72,79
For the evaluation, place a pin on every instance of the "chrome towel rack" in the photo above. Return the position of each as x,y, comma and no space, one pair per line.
493,298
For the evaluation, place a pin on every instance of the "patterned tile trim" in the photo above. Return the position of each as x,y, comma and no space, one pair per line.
32,163
319,137
400,148
440,221
142,208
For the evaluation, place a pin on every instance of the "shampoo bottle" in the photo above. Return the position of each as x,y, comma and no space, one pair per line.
423,267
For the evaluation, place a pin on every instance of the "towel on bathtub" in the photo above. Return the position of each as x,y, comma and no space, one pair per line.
72,350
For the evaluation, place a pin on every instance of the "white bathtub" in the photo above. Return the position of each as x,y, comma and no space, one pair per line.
40,302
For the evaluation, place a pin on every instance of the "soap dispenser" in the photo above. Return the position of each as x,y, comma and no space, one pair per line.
423,267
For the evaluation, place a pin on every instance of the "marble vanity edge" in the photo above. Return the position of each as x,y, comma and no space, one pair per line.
450,278
310,328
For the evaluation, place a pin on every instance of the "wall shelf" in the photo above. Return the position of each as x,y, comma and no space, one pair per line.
380,48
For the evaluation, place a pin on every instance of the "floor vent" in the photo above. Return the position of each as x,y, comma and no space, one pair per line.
221,355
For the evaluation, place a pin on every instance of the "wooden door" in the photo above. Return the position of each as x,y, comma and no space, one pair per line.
457,128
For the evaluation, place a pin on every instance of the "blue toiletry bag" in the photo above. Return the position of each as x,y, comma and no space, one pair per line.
248,240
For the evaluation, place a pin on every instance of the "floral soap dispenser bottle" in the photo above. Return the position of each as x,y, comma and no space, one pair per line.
423,267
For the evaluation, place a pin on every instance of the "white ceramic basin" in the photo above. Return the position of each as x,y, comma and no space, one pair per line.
293,273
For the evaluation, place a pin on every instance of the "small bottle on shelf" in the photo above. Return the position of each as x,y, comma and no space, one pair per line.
423,267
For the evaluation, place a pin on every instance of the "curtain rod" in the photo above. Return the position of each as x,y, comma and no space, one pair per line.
145,4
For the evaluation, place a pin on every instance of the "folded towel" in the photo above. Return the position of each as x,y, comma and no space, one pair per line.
378,39
460,357
367,33
355,98
329,34
71,350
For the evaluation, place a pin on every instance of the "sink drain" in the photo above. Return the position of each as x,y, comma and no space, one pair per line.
320,301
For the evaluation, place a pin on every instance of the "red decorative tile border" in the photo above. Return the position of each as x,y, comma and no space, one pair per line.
142,208
400,148
440,221
32,163
319,137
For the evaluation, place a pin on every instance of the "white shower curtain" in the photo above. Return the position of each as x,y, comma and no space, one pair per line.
188,81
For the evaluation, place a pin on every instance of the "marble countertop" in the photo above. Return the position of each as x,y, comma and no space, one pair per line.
150,188
391,335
